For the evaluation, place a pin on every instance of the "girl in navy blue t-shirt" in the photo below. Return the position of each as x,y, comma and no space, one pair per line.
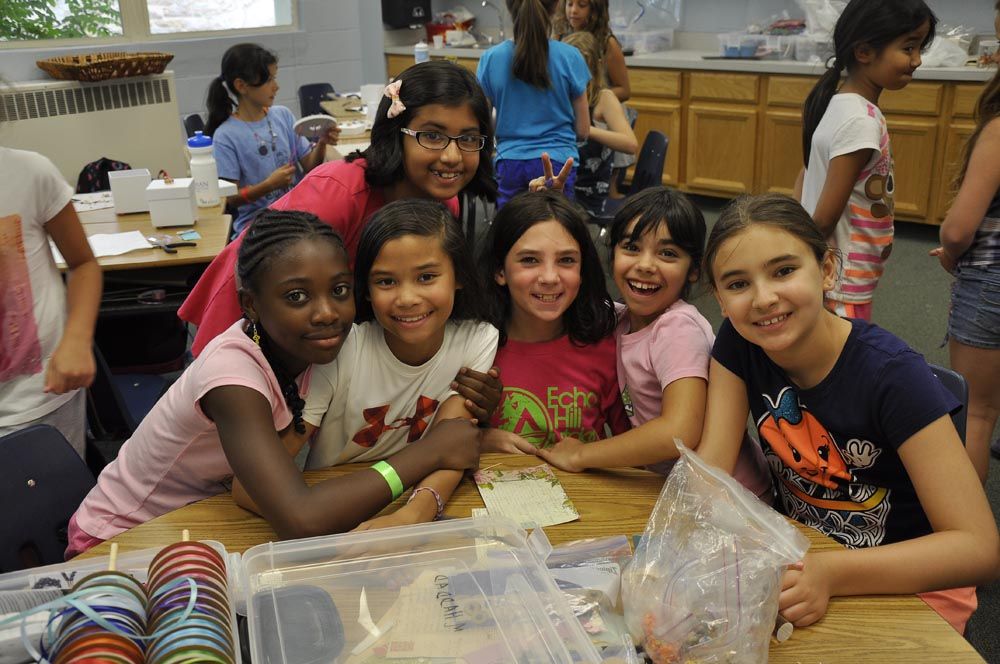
855,426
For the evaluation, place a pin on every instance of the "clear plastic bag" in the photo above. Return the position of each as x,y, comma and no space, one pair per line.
950,47
821,17
589,574
703,582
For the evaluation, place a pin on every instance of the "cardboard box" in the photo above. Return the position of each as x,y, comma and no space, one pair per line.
129,190
172,204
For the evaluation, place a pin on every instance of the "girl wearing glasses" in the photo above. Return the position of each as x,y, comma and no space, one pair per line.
254,142
426,142
539,88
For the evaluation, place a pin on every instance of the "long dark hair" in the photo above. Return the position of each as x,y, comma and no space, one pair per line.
591,316
598,24
434,82
659,205
423,218
864,23
987,108
270,234
532,24
777,210
249,62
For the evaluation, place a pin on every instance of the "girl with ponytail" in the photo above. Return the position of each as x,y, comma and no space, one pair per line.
539,89
847,184
254,141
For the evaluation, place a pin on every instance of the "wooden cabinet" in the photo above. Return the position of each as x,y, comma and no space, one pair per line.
913,141
663,116
396,64
781,151
721,144
955,137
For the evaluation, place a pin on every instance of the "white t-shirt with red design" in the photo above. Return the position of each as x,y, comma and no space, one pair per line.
32,295
864,233
368,404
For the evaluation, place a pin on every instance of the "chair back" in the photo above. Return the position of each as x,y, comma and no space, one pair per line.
42,483
649,165
310,95
193,123
955,383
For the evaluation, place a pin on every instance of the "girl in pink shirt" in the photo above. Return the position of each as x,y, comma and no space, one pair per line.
231,415
557,353
664,343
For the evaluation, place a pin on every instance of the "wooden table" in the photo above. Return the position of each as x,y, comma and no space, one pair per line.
213,226
884,629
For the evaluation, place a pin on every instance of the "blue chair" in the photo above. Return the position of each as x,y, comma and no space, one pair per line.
955,383
193,123
648,173
42,483
310,95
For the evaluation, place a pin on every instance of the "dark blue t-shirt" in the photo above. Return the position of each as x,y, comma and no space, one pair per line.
833,448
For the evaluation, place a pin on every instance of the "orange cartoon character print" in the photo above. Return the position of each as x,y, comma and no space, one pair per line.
802,443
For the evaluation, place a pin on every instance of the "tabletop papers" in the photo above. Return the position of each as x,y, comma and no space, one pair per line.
110,244
531,496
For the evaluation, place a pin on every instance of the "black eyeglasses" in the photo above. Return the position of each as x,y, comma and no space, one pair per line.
435,140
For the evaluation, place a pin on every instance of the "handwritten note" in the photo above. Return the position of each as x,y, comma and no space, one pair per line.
530,496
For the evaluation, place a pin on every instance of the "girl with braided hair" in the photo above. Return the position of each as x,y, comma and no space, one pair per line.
232,414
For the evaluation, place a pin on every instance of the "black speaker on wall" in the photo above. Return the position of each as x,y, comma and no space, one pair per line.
404,13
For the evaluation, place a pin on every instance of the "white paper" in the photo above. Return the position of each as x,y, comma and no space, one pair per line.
110,244
95,201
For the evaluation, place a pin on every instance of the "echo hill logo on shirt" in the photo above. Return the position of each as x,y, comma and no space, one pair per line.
524,413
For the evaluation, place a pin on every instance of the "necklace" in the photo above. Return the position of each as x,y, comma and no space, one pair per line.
261,143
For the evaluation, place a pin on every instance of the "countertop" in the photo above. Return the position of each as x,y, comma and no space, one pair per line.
686,59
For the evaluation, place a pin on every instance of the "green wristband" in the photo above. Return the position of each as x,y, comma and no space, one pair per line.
391,478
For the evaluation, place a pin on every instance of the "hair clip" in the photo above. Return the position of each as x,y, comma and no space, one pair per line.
392,92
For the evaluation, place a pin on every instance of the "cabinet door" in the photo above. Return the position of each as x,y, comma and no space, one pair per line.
664,116
958,134
781,155
721,142
913,144
395,64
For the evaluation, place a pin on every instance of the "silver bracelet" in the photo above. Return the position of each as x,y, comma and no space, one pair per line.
437,499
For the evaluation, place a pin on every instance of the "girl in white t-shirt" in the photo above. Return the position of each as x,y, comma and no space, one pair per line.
233,413
664,343
420,312
847,183
46,328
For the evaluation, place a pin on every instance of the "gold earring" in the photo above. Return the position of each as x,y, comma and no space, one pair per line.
254,334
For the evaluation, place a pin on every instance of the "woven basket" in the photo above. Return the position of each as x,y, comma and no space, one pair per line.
102,66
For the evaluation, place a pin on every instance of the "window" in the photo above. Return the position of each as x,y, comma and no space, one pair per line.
25,21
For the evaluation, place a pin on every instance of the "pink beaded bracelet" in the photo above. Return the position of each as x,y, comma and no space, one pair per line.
437,499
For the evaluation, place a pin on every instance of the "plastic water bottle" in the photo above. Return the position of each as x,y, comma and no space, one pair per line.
420,52
203,170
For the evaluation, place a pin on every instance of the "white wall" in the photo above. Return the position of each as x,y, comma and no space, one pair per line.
327,46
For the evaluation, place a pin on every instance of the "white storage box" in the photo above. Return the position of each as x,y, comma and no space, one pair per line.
172,204
459,590
129,190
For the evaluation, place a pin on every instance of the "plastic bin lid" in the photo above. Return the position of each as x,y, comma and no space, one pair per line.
473,590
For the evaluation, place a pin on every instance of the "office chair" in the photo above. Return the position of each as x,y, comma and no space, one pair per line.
193,123
43,482
955,383
310,95
648,173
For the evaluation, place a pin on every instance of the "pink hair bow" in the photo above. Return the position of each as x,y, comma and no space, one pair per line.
392,92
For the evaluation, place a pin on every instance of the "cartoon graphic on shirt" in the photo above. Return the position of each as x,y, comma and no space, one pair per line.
22,350
537,421
376,426
627,402
815,475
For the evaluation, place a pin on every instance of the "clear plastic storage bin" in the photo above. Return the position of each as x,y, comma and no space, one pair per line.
463,590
